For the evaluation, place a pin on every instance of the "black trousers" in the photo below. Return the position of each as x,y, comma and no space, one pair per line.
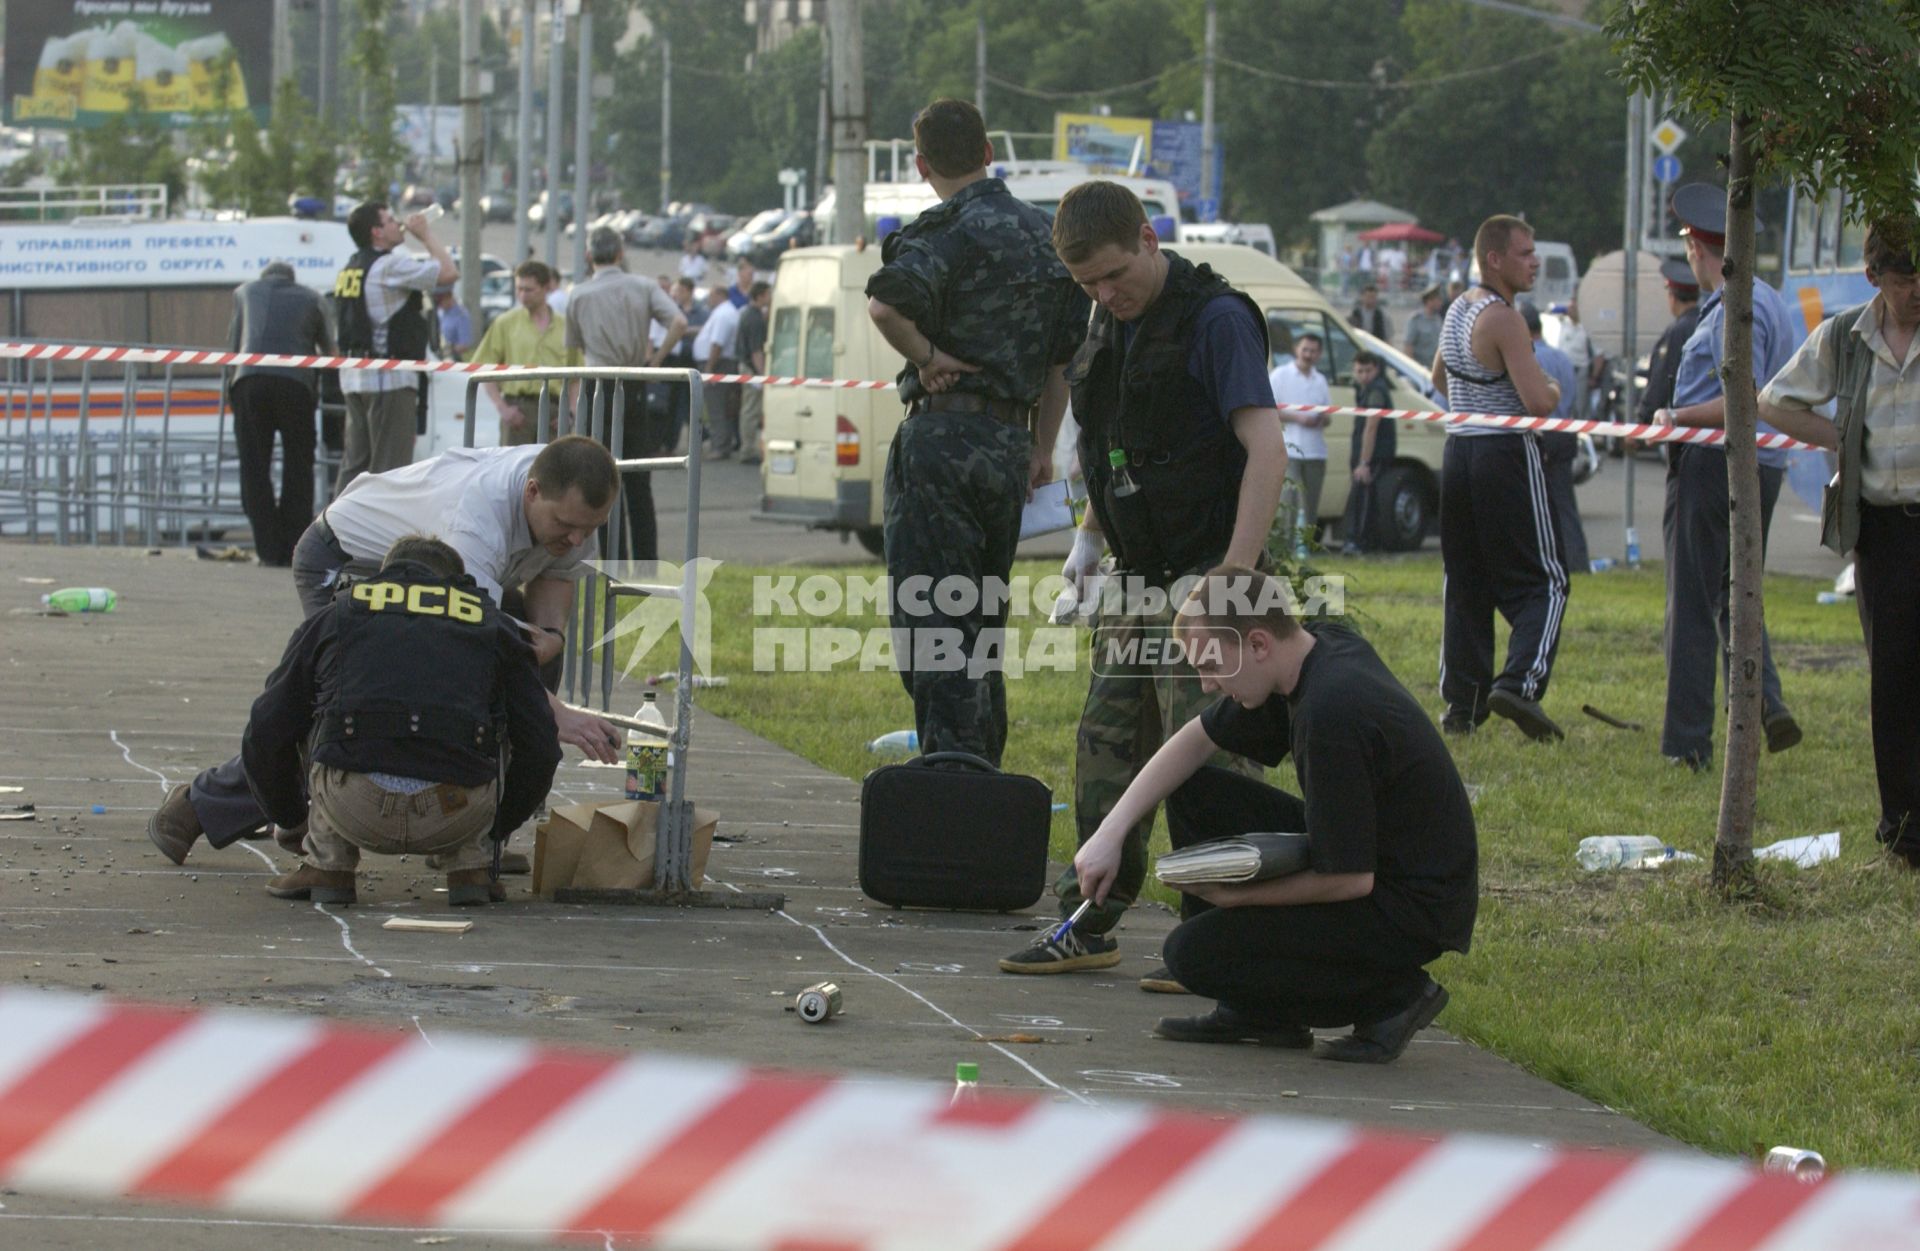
955,486
265,405
1305,964
1694,529
643,432
1558,451
1501,551
1887,578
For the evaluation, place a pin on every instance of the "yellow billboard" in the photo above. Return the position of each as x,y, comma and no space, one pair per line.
1110,145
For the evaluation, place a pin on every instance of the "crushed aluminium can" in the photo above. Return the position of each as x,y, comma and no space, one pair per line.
818,1003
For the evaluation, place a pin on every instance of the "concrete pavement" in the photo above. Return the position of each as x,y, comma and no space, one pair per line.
111,710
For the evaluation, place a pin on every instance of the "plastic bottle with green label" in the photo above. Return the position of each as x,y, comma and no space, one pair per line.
647,752
81,599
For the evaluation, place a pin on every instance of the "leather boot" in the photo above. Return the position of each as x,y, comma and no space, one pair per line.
174,827
326,886
468,887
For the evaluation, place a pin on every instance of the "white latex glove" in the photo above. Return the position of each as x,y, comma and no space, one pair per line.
1083,565
1083,561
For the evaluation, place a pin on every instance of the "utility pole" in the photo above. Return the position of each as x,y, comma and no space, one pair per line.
329,61
583,143
433,101
472,154
666,123
556,83
821,144
282,43
980,57
523,137
849,122
1630,296
1206,120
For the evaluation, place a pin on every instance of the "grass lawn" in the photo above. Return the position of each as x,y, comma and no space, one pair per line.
1795,1019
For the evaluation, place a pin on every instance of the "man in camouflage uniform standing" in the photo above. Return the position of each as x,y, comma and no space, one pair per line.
1184,457
971,293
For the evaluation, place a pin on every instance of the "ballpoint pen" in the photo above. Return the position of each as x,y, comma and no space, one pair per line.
1071,921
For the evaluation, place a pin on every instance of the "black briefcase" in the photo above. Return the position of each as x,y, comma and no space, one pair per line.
968,837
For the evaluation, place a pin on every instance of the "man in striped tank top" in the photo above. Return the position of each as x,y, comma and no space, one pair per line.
1498,543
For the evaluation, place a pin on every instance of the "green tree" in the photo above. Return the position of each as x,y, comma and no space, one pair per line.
130,147
1504,105
381,152
1822,94
1292,145
257,171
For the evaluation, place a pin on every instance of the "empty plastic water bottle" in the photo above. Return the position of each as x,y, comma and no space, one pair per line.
966,1083
1829,597
1621,851
81,599
433,213
898,743
1600,564
1301,533
1633,548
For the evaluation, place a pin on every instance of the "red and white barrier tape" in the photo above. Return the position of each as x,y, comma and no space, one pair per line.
293,1117
69,353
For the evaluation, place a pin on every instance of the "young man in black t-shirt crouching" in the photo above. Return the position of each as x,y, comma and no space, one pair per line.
1391,881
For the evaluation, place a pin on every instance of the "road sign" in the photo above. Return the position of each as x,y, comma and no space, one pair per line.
1666,167
1206,208
1668,135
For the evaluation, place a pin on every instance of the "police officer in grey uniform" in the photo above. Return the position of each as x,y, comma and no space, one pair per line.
971,293
1695,524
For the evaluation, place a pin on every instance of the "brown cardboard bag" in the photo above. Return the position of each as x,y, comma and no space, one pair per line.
608,846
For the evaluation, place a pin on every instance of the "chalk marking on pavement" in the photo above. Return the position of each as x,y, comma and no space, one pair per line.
127,752
423,1032
346,938
899,985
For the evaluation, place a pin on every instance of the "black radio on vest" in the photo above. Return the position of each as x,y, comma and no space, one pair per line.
401,337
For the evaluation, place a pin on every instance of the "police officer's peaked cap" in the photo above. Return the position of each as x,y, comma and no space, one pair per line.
1702,210
1679,275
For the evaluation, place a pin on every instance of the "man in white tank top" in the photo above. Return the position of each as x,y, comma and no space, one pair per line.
1498,543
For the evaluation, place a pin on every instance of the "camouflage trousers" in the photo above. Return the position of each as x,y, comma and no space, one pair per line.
1131,710
955,487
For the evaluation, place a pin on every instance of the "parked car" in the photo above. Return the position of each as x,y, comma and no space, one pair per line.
661,233
416,197
537,211
794,230
826,450
740,240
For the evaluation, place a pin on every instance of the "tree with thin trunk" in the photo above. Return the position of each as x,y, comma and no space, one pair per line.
1822,93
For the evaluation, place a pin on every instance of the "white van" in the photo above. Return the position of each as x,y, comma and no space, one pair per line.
826,449
1256,235
1559,279
895,189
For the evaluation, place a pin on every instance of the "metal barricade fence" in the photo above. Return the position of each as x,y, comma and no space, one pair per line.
564,406
156,462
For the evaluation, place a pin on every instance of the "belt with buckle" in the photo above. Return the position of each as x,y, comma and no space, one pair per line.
1012,412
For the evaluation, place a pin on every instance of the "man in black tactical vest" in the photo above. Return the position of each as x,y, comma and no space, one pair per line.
394,708
1183,455
379,302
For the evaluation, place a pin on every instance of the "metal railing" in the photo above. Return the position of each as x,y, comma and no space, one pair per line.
142,471
143,200
563,406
